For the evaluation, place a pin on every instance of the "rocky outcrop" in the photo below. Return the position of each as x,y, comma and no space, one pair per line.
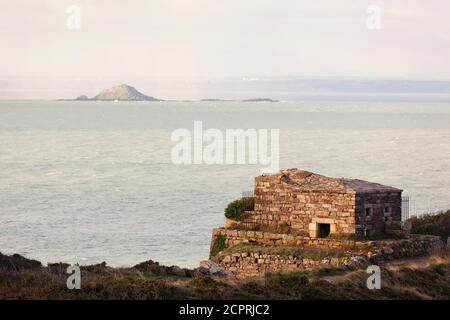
260,100
18,262
209,267
156,269
83,97
121,92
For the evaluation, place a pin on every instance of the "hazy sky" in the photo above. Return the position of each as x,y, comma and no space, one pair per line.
217,38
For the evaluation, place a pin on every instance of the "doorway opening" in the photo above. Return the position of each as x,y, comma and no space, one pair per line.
323,230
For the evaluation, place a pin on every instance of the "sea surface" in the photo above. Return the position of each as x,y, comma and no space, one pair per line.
93,181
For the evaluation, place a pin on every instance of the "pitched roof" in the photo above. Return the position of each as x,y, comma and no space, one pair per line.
362,186
308,181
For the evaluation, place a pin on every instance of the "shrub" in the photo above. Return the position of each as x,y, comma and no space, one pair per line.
218,245
236,209
331,271
437,224
206,288
287,283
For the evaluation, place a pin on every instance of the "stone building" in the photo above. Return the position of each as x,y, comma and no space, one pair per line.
317,205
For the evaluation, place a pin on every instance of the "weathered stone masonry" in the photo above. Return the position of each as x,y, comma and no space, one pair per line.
233,237
306,202
253,264
384,209
302,209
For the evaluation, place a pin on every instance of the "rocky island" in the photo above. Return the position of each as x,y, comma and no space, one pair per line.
121,92
126,92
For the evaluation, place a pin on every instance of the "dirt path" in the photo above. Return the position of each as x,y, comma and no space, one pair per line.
413,263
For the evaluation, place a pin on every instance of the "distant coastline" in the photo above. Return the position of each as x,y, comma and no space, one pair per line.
290,89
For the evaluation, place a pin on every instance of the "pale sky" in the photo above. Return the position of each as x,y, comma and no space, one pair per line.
221,38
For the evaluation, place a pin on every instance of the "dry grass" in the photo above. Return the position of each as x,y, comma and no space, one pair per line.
414,279
309,253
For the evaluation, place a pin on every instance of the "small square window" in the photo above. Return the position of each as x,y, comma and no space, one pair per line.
387,209
367,233
368,212
386,218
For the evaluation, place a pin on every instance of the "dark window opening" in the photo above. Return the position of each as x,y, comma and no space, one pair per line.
386,218
367,233
324,230
368,212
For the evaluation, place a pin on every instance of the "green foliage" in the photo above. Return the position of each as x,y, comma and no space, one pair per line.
437,224
331,271
320,290
148,274
206,288
254,288
218,245
236,209
287,283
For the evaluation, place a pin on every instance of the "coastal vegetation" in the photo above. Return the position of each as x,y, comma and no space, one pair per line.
437,224
218,245
21,278
236,209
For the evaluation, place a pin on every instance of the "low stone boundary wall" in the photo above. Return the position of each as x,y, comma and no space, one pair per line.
415,245
252,264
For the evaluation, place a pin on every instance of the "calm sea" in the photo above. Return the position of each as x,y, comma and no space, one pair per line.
93,181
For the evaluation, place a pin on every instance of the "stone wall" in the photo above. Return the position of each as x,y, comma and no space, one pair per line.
280,203
249,264
415,245
233,237
384,207
254,264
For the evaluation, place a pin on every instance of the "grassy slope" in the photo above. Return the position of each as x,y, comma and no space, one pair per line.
428,281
